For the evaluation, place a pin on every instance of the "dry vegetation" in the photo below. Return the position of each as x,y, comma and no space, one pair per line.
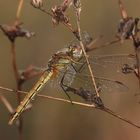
127,31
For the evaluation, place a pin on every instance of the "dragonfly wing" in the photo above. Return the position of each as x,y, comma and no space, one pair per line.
86,39
111,86
117,61
105,85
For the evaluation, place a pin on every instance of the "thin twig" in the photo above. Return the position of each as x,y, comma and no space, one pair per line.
51,15
84,52
17,78
69,27
20,5
107,110
45,11
122,10
14,64
136,48
7,104
16,72
104,109
138,64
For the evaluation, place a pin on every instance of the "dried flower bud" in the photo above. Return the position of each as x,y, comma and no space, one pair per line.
14,31
77,6
77,3
37,3
59,15
127,27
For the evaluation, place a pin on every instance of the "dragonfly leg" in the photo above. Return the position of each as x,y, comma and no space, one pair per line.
63,86
80,68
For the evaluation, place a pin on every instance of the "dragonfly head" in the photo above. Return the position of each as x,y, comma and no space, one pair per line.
75,51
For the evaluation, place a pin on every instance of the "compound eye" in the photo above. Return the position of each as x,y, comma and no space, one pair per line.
73,49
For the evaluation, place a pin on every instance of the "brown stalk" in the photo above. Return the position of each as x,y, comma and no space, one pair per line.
136,49
138,63
51,15
104,109
14,63
84,52
134,37
122,10
7,104
15,68
20,5
17,78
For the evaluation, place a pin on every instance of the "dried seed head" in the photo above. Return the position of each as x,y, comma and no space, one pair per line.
14,31
77,4
37,3
127,27
59,15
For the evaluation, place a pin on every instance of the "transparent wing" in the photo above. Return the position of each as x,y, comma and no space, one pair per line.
86,39
82,78
105,85
114,61
111,86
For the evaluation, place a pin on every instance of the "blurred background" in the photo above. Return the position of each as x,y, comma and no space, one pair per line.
54,120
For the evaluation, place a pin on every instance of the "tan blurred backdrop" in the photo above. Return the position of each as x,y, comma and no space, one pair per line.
52,120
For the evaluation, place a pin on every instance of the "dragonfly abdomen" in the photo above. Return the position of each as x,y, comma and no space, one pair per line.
38,86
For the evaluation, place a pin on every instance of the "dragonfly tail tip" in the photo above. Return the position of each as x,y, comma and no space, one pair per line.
10,121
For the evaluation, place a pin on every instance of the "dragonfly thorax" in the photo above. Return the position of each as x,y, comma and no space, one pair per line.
75,51
61,59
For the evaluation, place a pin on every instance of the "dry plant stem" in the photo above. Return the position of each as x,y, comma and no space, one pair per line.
17,77
107,110
122,10
14,63
72,30
16,73
138,63
90,70
20,5
137,51
45,11
48,13
104,109
69,27
84,52
7,104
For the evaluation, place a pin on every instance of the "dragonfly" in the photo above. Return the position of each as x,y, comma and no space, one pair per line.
68,64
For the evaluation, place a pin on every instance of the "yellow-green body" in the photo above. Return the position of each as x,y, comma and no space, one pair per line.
41,82
56,64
